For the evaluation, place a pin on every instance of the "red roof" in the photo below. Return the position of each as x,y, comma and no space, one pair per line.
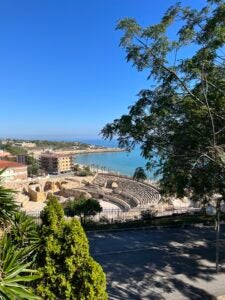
10,164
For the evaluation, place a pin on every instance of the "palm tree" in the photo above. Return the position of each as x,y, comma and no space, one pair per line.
8,206
14,260
24,231
14,272
139,174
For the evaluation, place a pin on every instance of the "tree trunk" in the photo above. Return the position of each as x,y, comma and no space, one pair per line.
217,235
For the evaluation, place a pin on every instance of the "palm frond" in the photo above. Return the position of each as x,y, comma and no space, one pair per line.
14,271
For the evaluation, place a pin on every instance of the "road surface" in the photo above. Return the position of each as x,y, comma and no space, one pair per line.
171,263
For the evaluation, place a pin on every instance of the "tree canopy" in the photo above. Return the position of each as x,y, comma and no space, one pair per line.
33,165
82,208
139,174
14,150
179,122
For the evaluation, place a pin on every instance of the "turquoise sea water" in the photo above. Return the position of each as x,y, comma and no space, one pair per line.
123,162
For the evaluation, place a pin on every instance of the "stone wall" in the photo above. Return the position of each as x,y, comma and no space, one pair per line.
74,193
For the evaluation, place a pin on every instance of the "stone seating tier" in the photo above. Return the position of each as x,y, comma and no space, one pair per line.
136,193
119,202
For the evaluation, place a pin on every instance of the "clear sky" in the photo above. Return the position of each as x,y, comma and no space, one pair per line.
62,73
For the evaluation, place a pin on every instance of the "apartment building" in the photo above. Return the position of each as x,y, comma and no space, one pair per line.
13,171
22,158
56,163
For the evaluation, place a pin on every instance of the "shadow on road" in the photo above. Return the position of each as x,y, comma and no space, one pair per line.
159,264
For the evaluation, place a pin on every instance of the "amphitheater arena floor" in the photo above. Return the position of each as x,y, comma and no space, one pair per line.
160,264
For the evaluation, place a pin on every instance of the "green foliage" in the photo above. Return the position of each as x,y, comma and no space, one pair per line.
139,174
85,171
68,271
14,150
55,145
16,248
24,231
15,272
8,206
82,173
76,167
179,123
52,216
33,165
74,207
91,281
82,208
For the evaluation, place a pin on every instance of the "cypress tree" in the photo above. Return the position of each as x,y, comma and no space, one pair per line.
68,271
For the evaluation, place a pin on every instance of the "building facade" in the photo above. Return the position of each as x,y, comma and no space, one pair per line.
22,158
4,154
13,171
56,163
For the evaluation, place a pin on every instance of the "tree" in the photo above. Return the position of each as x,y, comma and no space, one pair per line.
15,271
33,166
14,150
8,206
68,271
87,170
82,208
24,232
179,122
76,167
16,248
139,174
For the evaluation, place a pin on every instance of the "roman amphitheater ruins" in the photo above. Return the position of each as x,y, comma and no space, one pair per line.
119,196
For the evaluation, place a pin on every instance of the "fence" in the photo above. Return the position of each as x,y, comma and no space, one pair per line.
114,215
137,213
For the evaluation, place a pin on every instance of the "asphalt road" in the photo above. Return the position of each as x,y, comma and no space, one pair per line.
172,263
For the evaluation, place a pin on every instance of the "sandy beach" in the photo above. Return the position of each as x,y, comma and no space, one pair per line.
36,153
97,150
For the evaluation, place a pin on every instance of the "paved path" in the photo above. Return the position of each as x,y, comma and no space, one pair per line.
160,264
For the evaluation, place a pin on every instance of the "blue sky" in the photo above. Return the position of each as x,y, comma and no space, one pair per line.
62,73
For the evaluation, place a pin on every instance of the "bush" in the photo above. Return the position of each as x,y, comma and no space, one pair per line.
76,167
68,271
82,173
82,208
148,214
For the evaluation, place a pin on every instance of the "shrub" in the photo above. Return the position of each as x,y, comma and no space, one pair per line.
82,208
68,271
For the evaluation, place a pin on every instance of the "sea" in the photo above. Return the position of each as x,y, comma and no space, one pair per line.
123,163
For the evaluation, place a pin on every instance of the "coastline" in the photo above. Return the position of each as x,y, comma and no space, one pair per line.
86,151
37,152
99,170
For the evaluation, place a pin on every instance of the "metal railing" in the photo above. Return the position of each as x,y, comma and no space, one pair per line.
114,215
